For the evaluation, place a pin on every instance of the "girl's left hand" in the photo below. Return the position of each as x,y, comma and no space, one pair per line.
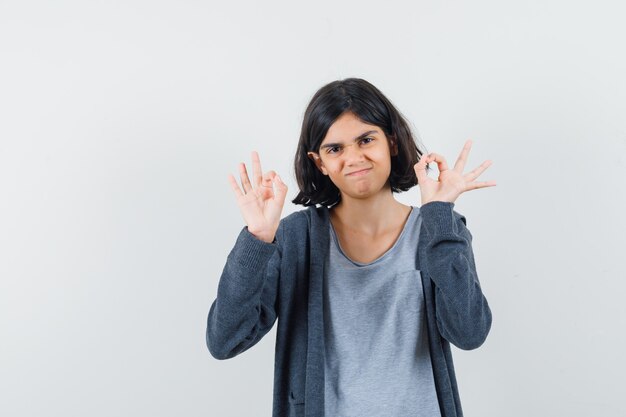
451,182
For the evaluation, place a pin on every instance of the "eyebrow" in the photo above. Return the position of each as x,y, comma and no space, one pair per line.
361,136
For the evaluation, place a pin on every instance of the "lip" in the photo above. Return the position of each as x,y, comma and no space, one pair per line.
360,172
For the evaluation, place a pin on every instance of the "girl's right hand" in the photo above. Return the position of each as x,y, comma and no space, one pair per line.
261,205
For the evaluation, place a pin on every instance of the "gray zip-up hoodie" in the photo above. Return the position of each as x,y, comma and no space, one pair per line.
284,279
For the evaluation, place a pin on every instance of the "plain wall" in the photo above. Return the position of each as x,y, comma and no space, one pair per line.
120,121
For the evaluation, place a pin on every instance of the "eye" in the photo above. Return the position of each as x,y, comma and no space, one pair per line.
332,149
367,140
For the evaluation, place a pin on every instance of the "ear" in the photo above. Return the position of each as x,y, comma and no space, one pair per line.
318,162
393,146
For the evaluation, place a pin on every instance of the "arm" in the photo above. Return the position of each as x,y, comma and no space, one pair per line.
245,308
463,314
246,304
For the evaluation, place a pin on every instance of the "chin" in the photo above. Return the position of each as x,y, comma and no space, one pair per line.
363,194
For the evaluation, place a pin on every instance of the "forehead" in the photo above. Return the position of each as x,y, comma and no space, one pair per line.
347,127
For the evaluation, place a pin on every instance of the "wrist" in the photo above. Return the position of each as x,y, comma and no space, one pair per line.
263,236
436,201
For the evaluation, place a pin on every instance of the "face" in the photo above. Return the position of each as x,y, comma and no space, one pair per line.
356,156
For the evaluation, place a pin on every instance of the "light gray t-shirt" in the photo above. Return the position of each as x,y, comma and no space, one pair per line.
377,357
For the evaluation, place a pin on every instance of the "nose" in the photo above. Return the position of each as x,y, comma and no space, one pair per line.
353,154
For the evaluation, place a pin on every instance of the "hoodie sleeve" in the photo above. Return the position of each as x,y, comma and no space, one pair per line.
245,307
462,311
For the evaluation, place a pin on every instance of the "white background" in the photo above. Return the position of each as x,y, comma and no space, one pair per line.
120,121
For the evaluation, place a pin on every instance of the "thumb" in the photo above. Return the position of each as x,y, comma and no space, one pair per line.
281,189
420,169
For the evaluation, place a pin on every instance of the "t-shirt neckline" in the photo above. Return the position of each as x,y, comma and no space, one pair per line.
381,257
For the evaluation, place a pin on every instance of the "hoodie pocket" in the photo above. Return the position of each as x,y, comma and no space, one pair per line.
296,406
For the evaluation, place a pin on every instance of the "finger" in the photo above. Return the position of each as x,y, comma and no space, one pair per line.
267,184
278,201
234,186
459,166
420,168
256,168
268,178
281,189
472,175
245,181
480,184
440,160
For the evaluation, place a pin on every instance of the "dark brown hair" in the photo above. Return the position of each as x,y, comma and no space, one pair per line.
371,106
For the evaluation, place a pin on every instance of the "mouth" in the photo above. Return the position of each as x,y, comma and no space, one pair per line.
360,172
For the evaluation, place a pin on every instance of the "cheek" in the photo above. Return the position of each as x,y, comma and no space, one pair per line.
330,168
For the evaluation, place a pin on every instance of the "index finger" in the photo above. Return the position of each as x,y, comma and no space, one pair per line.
256,169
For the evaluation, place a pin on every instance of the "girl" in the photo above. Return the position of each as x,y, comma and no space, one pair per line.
369,292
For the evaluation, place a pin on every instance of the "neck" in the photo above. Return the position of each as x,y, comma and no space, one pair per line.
370,216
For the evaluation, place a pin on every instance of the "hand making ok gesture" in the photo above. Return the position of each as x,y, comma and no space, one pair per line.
451,182
260,205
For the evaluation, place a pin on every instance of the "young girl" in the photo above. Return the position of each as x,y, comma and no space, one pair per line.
369,292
